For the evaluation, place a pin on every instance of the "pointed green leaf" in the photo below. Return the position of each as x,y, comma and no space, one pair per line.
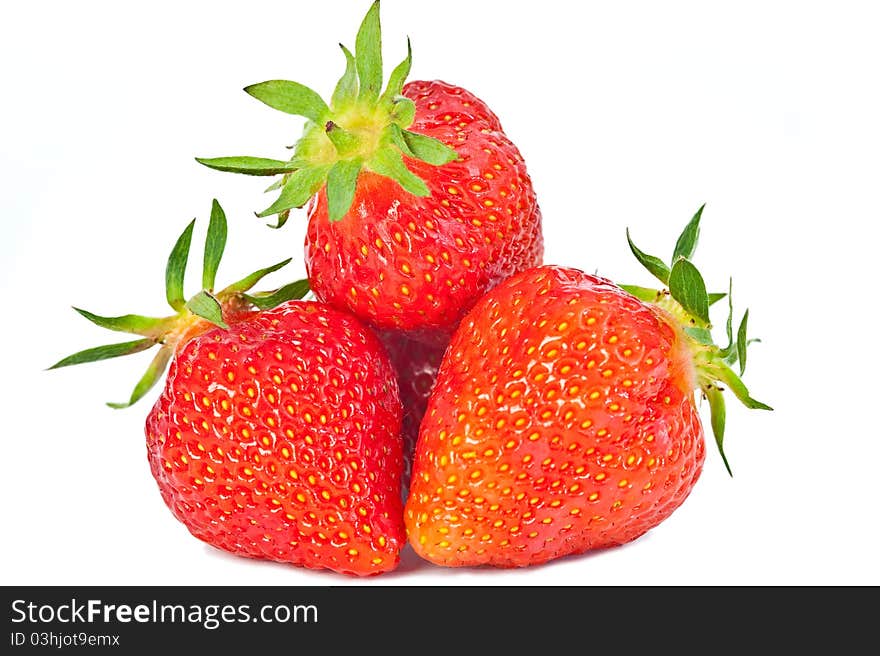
176,269
368,55
702,335
105,352
266,301
642,293
130,323
718,411
215,244
726,351
282,219
714,297
687,287
727,376
653,264
207,307
389,162
347,87
301,186
394,134
291,98
341,185
403,111
687,241
742,343
398,77
149,379
248,282
249,165
428,149
275,186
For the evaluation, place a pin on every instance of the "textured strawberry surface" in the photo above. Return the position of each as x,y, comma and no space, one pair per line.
562,420
416,364
399,261
279,439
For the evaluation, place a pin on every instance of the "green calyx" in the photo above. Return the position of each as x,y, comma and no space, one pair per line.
684,297
208,305
362,128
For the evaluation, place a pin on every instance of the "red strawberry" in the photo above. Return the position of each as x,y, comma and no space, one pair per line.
277,435
416,365
563,418
419,202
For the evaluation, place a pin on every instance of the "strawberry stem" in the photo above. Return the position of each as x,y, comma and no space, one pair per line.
686,301
363,128
205,307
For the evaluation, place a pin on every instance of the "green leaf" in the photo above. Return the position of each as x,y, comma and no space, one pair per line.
403,111
642,293
718,412
388,161
687,241
207,307
428,149
176,269
687,287
215,244
149,379
130,323
301,186
248,282
105,352
725,352
714,297
398,77
653,264
341,185
347,87
702,335
275,186
742,343
727,376
249,165
291,98
282,219
394,134
266,301
368,55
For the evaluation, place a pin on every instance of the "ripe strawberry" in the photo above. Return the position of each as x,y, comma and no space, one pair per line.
277,434
563,418
415,364
417,201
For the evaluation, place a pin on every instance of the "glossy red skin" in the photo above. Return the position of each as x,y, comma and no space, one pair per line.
416,364
402,262
298,400
562,420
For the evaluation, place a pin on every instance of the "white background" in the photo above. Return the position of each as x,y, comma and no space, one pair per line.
628,114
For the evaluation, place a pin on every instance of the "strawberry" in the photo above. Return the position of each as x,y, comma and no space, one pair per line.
563,417
418,203
277,433
415,364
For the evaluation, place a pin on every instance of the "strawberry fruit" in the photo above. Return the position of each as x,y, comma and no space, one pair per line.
563,417
415,364
277,434
418,202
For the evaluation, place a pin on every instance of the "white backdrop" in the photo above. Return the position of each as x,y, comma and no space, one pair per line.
628,114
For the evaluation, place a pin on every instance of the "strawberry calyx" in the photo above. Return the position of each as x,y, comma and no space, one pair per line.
202,311
685,300
362,128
